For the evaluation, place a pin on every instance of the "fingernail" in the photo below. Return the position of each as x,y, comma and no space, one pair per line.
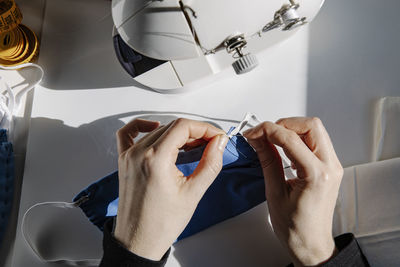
222,141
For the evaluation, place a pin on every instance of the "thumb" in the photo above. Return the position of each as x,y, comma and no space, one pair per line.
271,163
210,164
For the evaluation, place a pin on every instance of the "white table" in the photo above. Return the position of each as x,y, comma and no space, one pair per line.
71,138
75,115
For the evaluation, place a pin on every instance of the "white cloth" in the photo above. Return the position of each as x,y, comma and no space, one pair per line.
368,205
10,102
386,142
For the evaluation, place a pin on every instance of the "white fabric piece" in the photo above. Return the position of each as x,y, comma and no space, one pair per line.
10,102
286,163
386,143
368,205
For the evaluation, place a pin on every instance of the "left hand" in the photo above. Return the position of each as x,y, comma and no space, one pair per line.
156,201
301,209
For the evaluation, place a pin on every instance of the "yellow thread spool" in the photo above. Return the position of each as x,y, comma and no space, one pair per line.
18,43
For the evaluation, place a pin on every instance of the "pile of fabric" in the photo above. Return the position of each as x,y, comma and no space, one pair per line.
6,182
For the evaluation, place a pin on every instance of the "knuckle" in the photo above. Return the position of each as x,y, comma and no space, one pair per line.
316,122
320,179
280,121
132,153
324,176
289,139
120,133
181,121
274,135
149,155
265,125
148,161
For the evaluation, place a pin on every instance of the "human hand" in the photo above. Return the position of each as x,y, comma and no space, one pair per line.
301,209
156,201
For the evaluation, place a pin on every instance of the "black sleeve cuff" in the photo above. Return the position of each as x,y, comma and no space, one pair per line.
118,256
349,253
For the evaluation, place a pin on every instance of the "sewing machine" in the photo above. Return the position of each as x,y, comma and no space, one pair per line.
180,44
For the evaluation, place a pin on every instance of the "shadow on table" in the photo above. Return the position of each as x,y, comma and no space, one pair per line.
77,47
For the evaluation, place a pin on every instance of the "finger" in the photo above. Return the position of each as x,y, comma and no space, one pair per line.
193,143
294,148
209,166
181,131
271,163
126,134
314,135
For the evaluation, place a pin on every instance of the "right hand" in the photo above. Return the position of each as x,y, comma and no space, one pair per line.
301,209
156,201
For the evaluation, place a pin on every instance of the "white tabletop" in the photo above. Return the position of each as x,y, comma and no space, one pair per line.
78,108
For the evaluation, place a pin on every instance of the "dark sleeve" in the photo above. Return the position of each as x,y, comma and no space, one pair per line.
116,255
349,254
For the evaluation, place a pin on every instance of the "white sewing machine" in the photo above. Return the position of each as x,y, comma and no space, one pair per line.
177,44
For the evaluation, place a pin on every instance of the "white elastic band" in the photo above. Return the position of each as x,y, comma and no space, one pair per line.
26,236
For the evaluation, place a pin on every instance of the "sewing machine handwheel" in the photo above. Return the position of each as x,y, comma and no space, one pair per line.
245,64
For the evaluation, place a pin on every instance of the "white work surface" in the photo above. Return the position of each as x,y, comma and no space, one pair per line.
76,112
77,109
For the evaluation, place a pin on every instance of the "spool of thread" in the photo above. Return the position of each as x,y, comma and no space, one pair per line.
18,43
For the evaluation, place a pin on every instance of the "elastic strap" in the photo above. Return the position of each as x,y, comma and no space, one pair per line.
30,243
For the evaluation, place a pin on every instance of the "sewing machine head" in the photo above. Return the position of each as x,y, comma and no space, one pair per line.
175,44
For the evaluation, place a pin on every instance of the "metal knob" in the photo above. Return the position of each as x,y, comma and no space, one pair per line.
245,64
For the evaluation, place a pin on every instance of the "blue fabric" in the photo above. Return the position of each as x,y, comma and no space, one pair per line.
6,181
238,188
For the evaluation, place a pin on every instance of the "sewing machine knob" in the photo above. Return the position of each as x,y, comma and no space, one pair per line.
245,64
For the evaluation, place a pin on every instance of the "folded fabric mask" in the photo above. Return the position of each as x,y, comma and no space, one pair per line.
6,181
238,188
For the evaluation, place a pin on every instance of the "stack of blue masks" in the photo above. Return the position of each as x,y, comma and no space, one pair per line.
238,187
6,181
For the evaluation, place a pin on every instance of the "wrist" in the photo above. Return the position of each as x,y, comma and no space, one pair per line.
140,245
313,255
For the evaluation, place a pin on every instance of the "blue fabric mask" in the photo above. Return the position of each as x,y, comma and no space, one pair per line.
6,181
238,188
